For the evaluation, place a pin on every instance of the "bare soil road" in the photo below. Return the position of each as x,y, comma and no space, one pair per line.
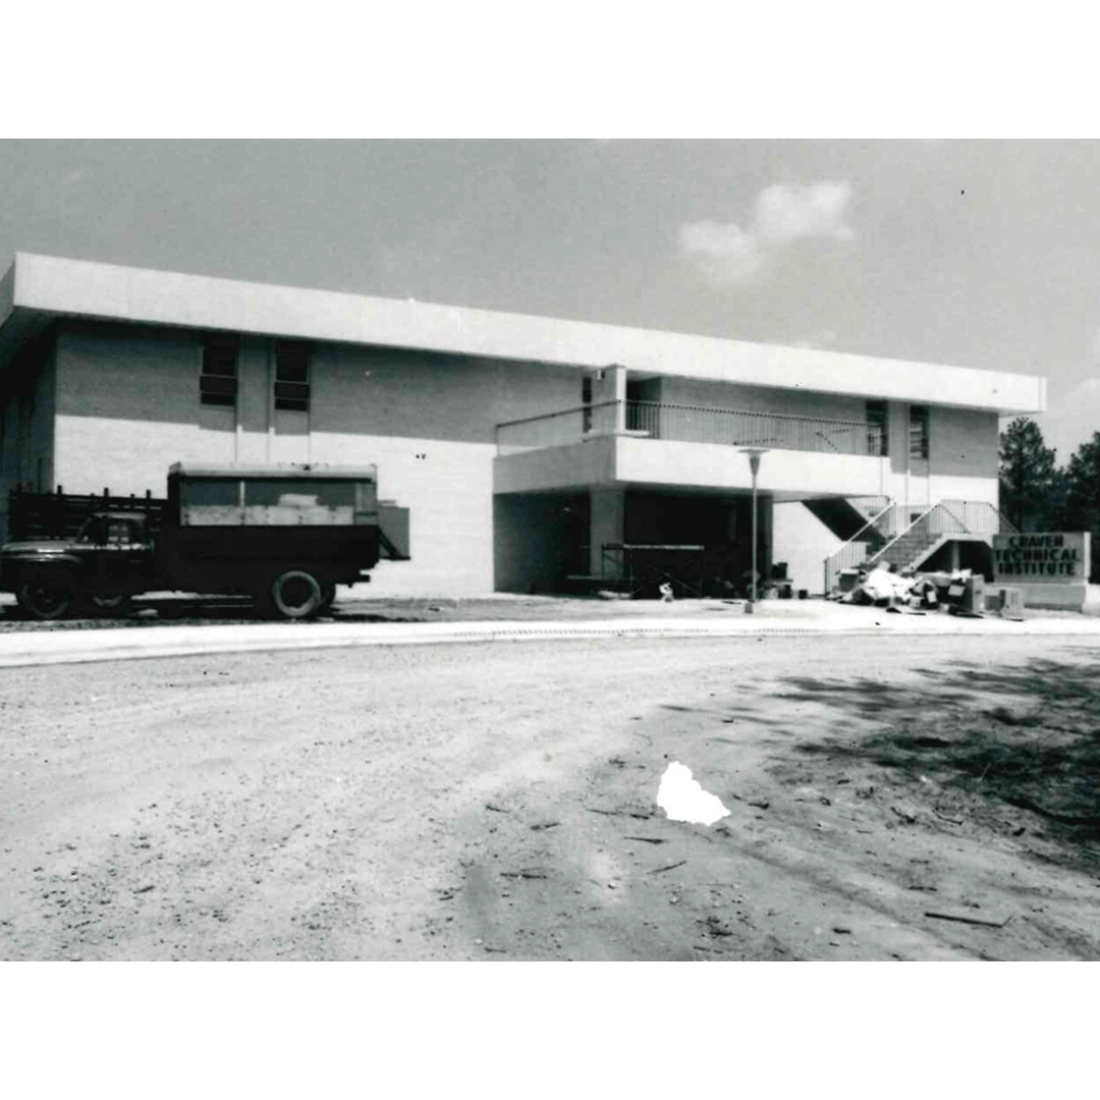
496,801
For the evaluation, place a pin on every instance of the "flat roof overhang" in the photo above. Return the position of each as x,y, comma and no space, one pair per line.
42,287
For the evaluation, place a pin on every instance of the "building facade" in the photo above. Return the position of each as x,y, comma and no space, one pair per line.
528,450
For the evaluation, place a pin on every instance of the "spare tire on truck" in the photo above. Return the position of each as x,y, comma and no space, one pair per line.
297,594
47,597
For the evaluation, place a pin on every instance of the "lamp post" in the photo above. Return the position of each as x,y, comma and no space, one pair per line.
754,454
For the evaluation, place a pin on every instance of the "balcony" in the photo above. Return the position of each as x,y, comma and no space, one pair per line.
690,424
645,442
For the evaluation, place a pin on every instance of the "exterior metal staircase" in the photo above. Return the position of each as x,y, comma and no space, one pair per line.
866,544
881,542
846,516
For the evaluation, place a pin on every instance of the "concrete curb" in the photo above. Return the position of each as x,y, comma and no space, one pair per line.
77,647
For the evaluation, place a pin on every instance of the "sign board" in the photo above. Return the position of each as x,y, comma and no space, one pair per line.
1059,557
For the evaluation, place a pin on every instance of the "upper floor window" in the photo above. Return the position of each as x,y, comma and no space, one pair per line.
218,381
918,431
878,441
292,362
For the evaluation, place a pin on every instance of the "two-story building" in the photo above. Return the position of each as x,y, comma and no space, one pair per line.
529,450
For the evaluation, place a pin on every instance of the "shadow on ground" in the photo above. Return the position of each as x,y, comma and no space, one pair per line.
975,741
184,613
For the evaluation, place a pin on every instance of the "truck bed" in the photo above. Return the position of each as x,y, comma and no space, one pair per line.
60,515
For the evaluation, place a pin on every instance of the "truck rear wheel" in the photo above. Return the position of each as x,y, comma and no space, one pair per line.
46,598
297,594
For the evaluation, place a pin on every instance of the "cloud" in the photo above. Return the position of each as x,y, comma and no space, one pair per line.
784,213
724,253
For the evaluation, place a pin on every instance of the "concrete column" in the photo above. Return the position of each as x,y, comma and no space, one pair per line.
253,401
765,525
606,523
609,384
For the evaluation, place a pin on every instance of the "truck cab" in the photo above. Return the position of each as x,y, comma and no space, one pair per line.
109,559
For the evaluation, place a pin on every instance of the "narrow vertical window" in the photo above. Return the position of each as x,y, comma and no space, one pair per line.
586,401
918,431
218,381
878,442
292,362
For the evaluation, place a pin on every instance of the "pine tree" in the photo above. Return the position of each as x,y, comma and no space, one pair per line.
1083,495
1032,488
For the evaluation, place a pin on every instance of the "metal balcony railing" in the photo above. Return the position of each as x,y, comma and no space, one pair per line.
691,424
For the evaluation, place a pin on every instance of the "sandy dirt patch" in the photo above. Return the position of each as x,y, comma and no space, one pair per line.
498,802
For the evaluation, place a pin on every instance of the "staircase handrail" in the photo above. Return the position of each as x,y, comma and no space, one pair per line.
835,560
881,553
1005,522
870,523
944,507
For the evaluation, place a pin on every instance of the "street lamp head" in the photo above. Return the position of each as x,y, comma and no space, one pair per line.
754,454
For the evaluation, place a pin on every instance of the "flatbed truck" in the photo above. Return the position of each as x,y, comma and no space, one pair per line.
284,535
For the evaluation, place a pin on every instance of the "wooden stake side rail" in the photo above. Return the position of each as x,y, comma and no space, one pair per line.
59,515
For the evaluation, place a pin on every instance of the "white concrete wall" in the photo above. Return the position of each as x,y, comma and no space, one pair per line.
590,462
28,393
129,407
429,423
963,449
662,462
962,462
803,542
534,541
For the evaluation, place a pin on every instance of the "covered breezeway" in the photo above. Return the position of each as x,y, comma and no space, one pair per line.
633,537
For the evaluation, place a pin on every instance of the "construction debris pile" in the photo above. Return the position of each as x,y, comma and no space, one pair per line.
961,592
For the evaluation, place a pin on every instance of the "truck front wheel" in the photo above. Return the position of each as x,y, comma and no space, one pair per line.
46,598
297,595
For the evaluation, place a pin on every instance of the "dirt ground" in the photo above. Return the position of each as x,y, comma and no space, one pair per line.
496,801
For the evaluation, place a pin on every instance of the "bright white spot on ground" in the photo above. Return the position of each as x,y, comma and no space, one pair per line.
683,799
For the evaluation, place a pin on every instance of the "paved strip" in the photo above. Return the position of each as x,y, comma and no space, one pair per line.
74,647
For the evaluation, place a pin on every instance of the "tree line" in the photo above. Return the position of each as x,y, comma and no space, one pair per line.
1039,495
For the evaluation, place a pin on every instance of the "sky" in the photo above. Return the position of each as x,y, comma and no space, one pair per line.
973,253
